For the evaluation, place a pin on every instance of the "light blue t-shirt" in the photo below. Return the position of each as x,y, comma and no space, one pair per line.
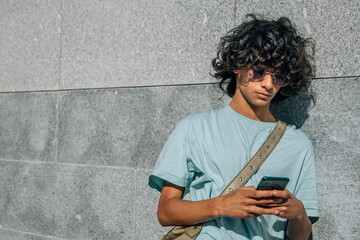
207,150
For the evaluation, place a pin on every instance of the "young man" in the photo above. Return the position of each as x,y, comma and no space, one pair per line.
260,61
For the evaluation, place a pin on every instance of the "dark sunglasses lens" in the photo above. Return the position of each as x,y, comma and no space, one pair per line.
258,72
280,80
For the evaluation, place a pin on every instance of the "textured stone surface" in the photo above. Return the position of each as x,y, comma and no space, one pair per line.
30,45
10,235
335,27
27,126
333,127
339,211
102,203
333,24
137,43
145,210
67,201
126,127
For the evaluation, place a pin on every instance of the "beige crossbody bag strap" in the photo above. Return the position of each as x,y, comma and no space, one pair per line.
191,232
260,156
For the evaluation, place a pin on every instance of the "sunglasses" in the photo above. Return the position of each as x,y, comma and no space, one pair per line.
258,72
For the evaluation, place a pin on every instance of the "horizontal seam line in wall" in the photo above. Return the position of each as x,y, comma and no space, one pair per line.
33,234
105,88
76,165
336,77
145,86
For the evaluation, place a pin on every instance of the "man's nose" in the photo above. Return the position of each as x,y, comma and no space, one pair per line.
267,82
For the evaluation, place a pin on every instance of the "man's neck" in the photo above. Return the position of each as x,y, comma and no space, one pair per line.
241,106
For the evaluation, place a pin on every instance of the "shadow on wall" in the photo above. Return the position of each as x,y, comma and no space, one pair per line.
294,110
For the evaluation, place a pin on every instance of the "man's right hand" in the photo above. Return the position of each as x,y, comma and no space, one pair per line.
247,202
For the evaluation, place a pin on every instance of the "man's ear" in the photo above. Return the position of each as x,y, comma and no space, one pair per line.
236,71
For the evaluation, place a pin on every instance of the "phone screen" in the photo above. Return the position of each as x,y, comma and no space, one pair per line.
273,183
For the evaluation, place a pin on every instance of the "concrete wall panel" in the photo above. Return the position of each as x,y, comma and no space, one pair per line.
67,201
126,127
28,126
333,127
138,43
30,45
339,211
334,25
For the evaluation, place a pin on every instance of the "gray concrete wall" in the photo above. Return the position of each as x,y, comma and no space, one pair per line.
90,91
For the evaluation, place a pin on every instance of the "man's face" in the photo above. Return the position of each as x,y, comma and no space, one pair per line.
256,93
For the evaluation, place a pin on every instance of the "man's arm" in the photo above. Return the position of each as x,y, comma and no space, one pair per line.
299,228
241,203
172,210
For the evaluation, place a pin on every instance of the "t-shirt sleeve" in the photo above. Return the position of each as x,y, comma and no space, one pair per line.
171,165
306,189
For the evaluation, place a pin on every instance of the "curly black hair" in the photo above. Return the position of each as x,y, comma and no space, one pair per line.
273,43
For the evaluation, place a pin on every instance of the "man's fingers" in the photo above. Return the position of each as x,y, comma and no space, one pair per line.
260,194
281,194
269,201
271,205
289,193
261,211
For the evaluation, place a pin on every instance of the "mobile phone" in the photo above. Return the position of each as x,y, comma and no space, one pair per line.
273,183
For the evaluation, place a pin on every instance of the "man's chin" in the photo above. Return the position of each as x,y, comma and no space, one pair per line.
261,103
